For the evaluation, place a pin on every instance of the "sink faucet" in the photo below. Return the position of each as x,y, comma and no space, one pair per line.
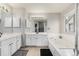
0,34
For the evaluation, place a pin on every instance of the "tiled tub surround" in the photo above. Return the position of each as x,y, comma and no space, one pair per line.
61,47
60,51
10,43
67,41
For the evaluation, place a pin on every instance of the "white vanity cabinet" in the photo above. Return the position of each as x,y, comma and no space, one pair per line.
28,39
36,40
42,40
5,48
13,46
18,42
10,46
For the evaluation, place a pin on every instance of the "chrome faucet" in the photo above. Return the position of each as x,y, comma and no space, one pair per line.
1,34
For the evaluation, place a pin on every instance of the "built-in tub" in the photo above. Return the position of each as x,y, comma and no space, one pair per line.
63,46
60,51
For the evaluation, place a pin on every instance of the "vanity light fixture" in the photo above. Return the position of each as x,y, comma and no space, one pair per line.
3,8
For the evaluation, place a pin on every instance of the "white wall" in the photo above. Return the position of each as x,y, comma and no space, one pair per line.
68,38
53,23
56,29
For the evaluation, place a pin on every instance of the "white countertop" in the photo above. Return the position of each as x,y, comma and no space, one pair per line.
8,35
36,33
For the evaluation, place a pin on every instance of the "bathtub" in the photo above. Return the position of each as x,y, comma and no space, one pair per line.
63,46
60,51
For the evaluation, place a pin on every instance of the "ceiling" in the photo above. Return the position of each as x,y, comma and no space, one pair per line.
42,7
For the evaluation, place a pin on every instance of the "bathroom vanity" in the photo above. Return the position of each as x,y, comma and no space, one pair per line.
37,36
33,39
9,43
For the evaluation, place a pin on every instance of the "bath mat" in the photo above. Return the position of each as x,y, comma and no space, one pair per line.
45,52
20,53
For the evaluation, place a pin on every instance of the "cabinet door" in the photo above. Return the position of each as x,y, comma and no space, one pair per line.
34,39
28,23
42,40
19,38
31,40
8,21
16,21
8,47
28,40
18,42
5,50
13,47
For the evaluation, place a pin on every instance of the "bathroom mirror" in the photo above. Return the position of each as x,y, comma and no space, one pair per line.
39,24
70,23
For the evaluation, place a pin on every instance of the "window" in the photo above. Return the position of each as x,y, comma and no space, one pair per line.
70,24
